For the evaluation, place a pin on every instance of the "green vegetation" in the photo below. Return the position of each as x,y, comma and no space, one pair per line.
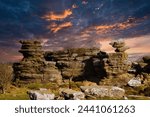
15,93
5,77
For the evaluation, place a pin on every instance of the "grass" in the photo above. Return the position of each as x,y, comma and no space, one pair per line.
15,93
20,93
134,97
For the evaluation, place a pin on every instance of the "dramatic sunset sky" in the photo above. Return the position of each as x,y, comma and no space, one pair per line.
73,23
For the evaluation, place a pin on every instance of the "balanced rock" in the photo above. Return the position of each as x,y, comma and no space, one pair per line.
119,45
114,64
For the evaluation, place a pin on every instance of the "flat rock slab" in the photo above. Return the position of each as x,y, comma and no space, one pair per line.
70,94
103,91
40,95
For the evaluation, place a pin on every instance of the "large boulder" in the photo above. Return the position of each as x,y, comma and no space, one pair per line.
40,95
70,94
103,91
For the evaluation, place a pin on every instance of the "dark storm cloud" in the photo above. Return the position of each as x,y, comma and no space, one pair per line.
71,23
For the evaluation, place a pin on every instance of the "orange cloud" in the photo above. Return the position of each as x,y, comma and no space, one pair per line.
117,26
55,27
57,16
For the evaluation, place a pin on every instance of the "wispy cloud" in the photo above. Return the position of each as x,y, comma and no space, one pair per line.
131,22
56,27
58,16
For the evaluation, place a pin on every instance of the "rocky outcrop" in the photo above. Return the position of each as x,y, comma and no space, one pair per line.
51,72
78,54
71,69
115,64
119,46
143,69
90,67
76,63
103,91
146,65
33,67
29,68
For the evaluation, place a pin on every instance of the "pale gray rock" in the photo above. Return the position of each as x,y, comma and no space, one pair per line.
135,82
70,94
103,91
40,95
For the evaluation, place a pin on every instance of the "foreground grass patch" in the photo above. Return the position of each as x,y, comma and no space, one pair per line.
15,94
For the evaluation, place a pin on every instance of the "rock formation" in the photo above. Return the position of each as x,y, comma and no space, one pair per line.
135,82
33,67
92,73
76,63
143,68
115,64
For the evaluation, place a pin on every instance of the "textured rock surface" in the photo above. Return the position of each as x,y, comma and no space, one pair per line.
29,68
51,72
115,63
103,91
119,45
143,69
70,94
76,63
40,95
135,82
71,68
33,67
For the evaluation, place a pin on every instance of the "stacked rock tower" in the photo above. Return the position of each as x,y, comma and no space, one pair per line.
33,67
117,63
